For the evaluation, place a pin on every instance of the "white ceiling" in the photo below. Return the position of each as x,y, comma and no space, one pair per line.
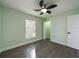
27,6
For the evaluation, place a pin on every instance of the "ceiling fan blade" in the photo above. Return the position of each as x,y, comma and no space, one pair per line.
49,12
41,3
41,13
37,10
44,6
52,6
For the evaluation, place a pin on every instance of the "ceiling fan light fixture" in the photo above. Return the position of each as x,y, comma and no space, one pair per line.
44,10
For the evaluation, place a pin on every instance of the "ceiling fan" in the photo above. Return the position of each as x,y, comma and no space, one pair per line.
44,8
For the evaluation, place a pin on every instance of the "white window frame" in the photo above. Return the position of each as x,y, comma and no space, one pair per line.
30,29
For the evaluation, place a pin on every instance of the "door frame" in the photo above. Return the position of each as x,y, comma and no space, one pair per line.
44,30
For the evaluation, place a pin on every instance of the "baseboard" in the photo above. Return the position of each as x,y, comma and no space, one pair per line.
59,42
15,46
63,44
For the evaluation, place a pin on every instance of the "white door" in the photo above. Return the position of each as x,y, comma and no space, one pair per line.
73,31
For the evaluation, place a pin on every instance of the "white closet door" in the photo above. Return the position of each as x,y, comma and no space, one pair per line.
73,31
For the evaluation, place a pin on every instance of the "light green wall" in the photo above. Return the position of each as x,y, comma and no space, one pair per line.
14,28
59,26
0,27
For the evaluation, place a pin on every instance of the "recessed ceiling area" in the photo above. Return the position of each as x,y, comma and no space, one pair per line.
28,6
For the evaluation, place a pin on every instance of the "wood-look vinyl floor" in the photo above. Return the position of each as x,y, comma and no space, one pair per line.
41,49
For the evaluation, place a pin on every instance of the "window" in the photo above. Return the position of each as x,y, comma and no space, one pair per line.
30,29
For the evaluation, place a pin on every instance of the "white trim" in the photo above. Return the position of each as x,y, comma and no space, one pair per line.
63,44
15,46
72,47
59,42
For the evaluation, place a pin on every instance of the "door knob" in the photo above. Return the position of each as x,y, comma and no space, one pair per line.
69,32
